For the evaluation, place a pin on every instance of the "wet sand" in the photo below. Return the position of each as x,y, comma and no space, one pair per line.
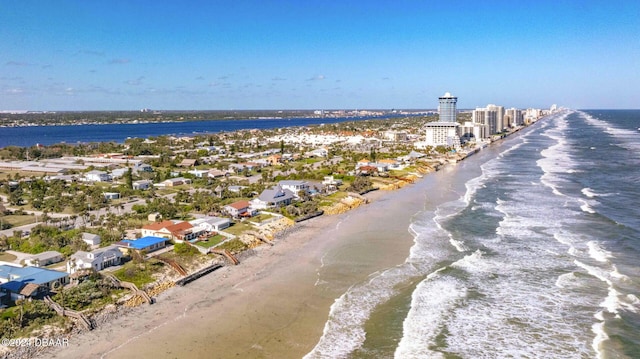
275,303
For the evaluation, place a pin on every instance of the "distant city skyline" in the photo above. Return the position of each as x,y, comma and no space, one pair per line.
105,55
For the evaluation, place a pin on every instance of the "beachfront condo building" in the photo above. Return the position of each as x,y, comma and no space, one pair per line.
500,125
442,134
471,131
447,108
514,117
487,117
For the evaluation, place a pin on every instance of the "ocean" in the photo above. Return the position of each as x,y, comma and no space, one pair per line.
72,134
536,256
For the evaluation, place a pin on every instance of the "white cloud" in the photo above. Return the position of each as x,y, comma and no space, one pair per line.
316,78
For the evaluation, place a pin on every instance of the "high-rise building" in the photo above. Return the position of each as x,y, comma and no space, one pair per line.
514,117
487,117
444,132
500,125
447,108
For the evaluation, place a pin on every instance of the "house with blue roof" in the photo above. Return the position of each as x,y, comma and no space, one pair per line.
147,244
20,282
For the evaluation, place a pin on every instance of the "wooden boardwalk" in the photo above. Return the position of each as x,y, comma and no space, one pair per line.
68,313
173,264
128,285
227,254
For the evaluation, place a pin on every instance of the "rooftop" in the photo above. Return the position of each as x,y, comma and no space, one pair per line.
142,243
239,204
158,225
30,274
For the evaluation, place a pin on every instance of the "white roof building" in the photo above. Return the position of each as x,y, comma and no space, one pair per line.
442,134
91,239
97,259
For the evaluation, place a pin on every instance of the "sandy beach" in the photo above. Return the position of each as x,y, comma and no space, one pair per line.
275,303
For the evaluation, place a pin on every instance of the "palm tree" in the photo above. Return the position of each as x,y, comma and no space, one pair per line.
45,217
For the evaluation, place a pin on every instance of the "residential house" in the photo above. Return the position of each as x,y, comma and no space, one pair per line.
66,178
187,162
181,231
273,197
147,244
119,172
111,195
43,277
206,147
390,163
43,259
140,167
15,290
274,159
239,167
318,152
91,239
178,181
97,176
262,162
380,166
366,170
290,156
413,155
236,189
238,209
211,224
97,259
199,173
142,184
216,173
331,184
153,228
396,136
295,186
176,231
362,163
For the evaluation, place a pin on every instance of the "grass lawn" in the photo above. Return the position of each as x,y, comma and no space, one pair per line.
212,241
17,220
131,272
166,191
238,228
336,197
261,217
309,160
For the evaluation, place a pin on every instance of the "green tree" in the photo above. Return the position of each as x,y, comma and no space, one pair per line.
15,197
128,177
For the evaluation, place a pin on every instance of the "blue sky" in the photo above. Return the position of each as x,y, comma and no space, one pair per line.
317,54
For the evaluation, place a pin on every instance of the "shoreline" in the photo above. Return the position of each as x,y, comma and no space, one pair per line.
228,294
301,242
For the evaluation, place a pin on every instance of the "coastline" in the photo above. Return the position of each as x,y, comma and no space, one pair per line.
247,311
227,304
294,264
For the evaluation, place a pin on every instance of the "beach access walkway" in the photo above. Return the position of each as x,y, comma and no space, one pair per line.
62,311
